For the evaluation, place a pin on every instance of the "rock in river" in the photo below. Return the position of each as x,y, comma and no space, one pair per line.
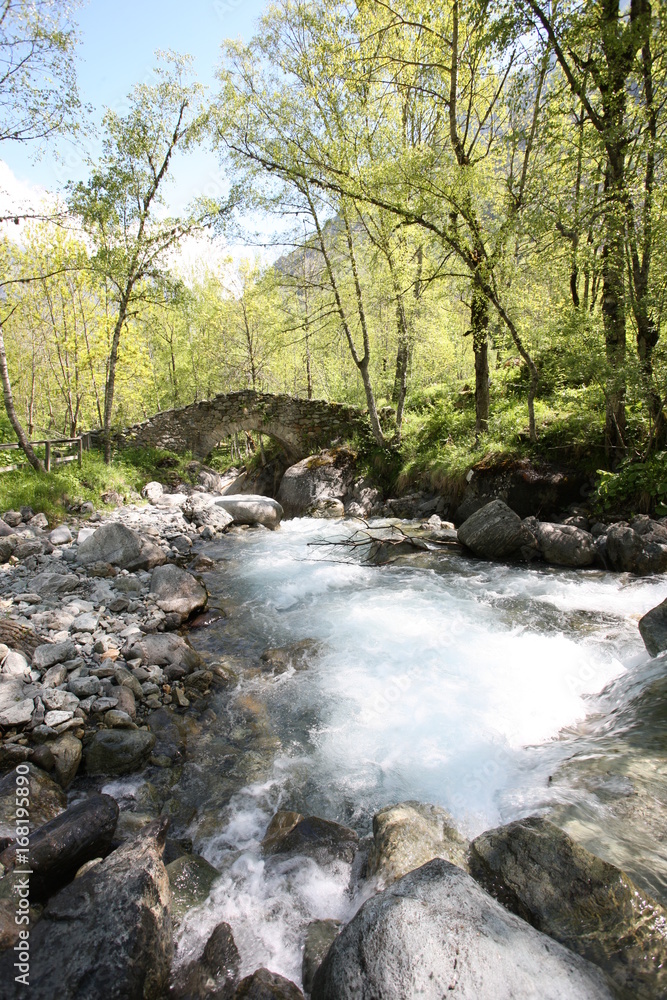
47,800
407,835
653,629
213,975
177,591
107,934
118,751
252,509
587,904
265,985
435,933
60,847
317,838
496,532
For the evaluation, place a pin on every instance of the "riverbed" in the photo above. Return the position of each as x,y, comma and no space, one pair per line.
493,691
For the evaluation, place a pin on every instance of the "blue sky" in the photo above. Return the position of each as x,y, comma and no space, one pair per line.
118,42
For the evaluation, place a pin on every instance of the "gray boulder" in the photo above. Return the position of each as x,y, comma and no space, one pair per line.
496,532
47,800
177,591
120,546
53,652
171,652
320,839
66,752
265,985
252,509
587,904
107,934
201,510
152,491
653,629
60,535
435,933
407,835
60,847
628,551
191,878
320,935
563,544
307,486
118,751
215,974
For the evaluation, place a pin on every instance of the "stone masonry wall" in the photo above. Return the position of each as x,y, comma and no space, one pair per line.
300,425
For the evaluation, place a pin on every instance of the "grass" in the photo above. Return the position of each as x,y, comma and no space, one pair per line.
67,486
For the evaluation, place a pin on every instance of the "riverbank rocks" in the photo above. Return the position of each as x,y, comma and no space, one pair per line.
47,800
119,545
215,974
107,934
298,655
265,985
191,878
496,532
171,652
641,552
653,629
52,653
563,544
320,839
307,486
152,491
407,835
118,751
66,752
201,510
436,933
177,591
589,905
252,509
320,935
61,846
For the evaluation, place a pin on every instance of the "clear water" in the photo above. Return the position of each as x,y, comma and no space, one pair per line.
493,691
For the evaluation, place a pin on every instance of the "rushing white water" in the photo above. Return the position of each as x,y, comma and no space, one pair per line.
452,686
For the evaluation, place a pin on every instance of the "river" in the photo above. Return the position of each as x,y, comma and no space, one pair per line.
493,691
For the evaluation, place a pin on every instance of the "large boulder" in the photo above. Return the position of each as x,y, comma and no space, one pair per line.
563,544
587,904
60,847
265,985
166,650
201,510
252,509
177,591
653,629
191,878
496,532
320,839
47,800
107,934
628,551
215,974
118,751
306,486
435,933
121,546
407,835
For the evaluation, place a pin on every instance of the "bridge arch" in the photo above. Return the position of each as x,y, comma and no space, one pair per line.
300,426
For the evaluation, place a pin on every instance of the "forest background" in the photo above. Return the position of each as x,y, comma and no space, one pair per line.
466,214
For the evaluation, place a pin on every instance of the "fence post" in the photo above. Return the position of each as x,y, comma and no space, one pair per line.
79,451
47,456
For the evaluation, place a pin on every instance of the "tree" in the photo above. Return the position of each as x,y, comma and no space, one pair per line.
38,99
118,206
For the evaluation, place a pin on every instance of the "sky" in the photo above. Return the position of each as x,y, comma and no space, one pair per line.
118,43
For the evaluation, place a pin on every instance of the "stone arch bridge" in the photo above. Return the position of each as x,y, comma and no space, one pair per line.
301,426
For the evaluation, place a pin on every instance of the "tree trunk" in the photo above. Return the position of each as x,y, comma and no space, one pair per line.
613,308
479,322
23,439
111,373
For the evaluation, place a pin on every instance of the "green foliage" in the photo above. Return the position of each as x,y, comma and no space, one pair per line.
637,487
68,486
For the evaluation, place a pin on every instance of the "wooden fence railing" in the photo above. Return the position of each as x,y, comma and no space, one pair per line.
52,448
